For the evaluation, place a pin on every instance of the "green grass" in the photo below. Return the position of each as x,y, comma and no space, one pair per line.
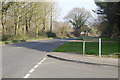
80,39
11,41
108,48
70,47
108,39
103,39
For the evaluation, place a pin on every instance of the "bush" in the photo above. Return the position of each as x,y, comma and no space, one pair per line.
31,35
6,37
19,37
51,34
70,35
42,34
76,33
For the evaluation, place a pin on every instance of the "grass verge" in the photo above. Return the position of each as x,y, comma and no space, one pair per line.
15,41
108,48
103,39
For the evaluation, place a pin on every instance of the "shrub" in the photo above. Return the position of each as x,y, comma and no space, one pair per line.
51,34
42,34
6,37
19,37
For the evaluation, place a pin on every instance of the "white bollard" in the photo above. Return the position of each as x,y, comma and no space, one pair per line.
83,47
99,47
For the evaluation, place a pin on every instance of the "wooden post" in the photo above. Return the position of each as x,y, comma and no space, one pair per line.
99,47
83,47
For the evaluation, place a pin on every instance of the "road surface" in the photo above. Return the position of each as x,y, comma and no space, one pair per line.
20,60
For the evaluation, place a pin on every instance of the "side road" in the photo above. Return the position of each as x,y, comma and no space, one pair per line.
19,58
84,59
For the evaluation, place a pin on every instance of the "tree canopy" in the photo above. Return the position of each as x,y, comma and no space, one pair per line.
78,17
26,18
112,12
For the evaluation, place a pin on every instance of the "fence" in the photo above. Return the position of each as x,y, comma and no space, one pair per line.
92,40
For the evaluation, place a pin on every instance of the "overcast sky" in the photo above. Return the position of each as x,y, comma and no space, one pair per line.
67,5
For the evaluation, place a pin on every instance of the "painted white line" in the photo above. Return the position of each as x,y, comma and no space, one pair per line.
35,66
31,71
19,47
39,63
27,75
43,60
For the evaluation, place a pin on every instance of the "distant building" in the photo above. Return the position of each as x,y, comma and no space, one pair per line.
85,32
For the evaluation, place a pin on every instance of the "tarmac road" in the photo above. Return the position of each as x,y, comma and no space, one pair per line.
53,68
18,58
29,60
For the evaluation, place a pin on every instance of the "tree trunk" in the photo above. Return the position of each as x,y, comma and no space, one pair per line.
51,21
26,26
44,26
2,22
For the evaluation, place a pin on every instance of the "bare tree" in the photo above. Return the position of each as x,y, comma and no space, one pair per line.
53,14
78,18
62,29
26,18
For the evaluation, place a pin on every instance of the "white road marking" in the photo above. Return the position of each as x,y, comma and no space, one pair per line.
27,75
39,63
31,71
18,47
35,66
